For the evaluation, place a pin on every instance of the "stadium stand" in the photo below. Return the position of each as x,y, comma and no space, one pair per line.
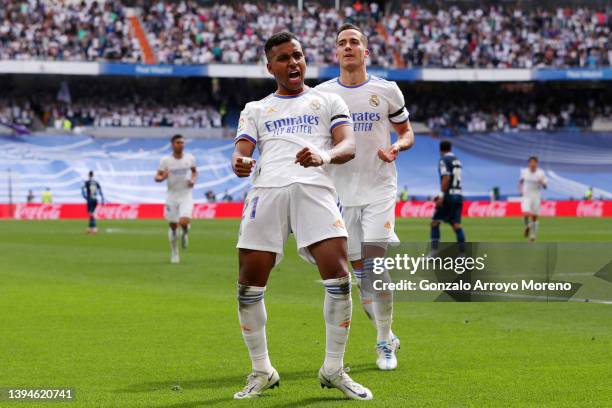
191,103
188,32
69,31
125,167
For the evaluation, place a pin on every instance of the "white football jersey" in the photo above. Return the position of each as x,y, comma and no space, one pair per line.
374,106
179,173
281,126
533,182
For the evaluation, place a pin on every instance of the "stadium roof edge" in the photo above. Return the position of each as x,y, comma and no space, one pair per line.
314,72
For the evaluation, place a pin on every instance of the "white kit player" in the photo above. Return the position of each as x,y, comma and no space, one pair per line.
367,185
298,131
179,169
532,181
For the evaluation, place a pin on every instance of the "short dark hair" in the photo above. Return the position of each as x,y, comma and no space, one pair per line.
349,26
176,137
445,146
277,39
90,173
532,158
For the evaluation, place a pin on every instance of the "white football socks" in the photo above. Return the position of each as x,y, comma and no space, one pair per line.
365,296
534,229
382,305
252,316
172,238
337,310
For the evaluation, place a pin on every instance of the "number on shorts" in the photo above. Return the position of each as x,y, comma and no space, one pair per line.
253,207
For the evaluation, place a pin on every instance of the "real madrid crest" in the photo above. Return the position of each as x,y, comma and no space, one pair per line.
374,102
315,104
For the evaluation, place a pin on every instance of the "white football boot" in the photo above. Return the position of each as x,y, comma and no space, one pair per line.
341,380
174,258
258,382
387,359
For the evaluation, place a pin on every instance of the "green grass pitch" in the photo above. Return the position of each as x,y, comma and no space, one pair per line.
111,317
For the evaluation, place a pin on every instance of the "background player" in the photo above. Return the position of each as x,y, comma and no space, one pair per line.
367,185
179,169
90,190
449,201
532,181
297,130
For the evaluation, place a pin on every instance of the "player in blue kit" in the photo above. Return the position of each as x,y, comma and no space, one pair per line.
90,191
449,201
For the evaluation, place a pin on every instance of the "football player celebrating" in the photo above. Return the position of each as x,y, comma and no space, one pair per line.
299,131
367,186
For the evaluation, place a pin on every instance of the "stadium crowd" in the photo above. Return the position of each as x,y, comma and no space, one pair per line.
66,30
455,111
188,32
105,114
509,111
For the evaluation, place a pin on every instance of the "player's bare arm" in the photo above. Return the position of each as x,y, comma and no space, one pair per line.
520,186
343,150
242,164
194,177
161,175
405,140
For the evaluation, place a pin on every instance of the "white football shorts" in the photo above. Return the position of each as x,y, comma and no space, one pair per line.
369,223
530,205
271,213
175,210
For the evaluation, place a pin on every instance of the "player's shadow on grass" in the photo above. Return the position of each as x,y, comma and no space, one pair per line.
215,382
314,401
237,381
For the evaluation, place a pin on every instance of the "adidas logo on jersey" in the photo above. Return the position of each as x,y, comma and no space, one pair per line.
338,223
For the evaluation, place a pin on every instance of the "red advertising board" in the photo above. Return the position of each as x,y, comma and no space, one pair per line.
486,209
409,209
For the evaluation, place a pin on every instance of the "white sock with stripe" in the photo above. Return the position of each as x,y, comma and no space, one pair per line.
337,310
252,316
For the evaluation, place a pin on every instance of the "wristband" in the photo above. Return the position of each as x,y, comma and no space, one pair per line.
325,156
441,194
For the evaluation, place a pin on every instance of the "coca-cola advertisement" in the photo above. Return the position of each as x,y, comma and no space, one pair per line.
38,212
590,209
408,209
415,209
117,211
485,209
207,210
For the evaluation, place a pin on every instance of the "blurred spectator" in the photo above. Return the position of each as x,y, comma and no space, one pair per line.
227,197
46,196
403,194
210,196
30,196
